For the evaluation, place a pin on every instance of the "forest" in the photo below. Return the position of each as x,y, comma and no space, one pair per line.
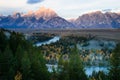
20,60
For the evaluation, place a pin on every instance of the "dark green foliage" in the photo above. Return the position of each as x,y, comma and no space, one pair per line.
77,71
18,55
26,67
63,70
21,56
114,73
3,40
39,70
6,64
72,69
39,37
15,40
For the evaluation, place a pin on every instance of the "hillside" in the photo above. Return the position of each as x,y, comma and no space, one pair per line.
45,18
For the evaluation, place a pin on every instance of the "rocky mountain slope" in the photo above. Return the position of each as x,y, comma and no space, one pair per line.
98,20
47,18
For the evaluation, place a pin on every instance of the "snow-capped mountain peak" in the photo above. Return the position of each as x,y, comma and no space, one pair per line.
46,13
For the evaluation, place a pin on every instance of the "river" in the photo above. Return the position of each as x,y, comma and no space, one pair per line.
88,70
53,40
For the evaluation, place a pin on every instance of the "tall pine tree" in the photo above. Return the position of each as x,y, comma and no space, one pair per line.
6,64
114,73
76,68
72,69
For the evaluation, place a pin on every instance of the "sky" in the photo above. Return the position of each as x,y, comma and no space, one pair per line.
64,8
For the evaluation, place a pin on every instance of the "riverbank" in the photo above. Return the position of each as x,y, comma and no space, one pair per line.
108,34
95,55
88,70
53,40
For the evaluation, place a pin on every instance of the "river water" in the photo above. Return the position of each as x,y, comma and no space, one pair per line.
53,40
88,70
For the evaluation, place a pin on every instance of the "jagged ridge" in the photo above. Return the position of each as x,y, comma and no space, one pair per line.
47,18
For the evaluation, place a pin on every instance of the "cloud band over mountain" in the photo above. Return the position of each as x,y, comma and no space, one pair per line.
34,1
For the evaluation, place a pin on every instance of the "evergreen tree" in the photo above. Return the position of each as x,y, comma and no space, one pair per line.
71,69
76,69
26,67
21,59
114,72
38,66
6,64
18,56
63,69
13,42
3,41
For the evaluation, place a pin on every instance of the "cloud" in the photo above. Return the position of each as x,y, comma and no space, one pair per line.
34,1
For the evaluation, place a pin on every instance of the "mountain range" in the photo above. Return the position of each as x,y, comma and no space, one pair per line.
47,18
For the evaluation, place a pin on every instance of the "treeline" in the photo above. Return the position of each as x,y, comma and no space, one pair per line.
40,37
19,60
73,69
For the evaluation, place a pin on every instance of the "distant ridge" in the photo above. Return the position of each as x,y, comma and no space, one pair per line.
47,18
98,20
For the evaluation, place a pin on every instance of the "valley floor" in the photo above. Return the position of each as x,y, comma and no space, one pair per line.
109,34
